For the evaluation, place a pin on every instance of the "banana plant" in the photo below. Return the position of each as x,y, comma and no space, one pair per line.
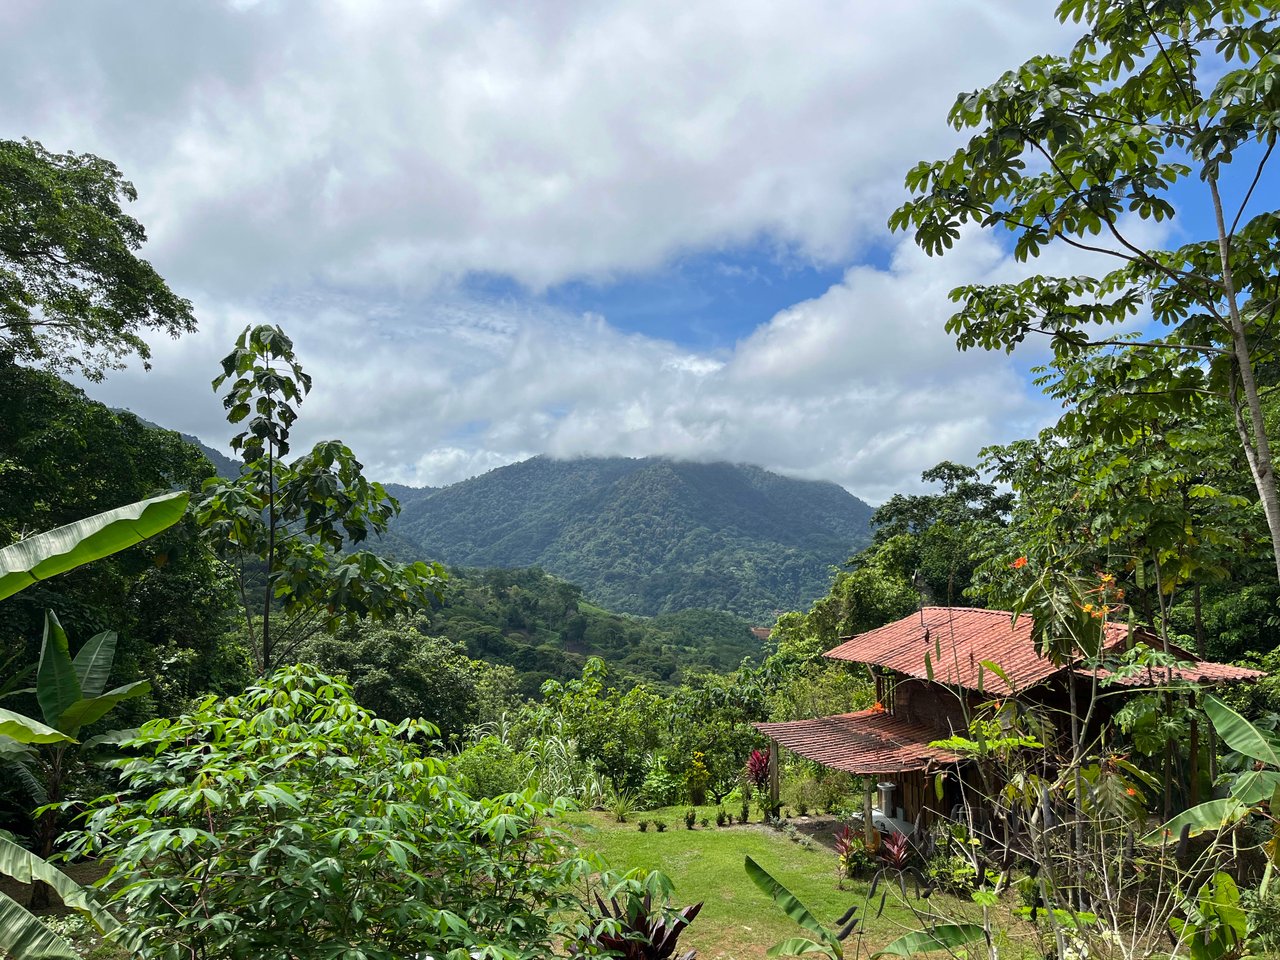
22,934
72,694
830,944
64,548
1249,793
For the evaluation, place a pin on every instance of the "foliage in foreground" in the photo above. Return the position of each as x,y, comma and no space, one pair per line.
290,822
71,695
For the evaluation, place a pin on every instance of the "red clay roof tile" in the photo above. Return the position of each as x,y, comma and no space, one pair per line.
867,742
956,641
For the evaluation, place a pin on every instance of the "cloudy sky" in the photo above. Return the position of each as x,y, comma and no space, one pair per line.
501,229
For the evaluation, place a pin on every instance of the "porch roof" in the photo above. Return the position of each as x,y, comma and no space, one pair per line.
866,742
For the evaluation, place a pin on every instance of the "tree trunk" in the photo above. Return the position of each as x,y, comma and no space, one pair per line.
1253,433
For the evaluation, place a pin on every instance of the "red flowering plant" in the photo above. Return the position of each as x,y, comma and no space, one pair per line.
758,769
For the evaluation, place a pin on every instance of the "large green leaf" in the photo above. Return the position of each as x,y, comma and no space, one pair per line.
57,687
1210,816
26,730
25,867
799,947
48,554
84,712
26,938
93,663
1254,786
945,936
790,905
1241,735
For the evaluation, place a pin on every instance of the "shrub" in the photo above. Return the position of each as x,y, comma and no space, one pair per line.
744,815
637,921
690,818
895,851
953,874
660,825
660,788
490,768
290,821
806,842
758,770
706,823
643,825
1263,915
721,816
698,778
852,855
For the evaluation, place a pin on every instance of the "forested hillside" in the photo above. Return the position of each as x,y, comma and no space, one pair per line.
540,625
650,535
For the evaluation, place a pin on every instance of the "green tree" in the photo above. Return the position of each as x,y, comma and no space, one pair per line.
930,539
1077,149
290,823
398,672
283,527
63,456
74,295
1152,494
615,730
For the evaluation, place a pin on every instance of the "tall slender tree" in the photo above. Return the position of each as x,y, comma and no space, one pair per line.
1081,149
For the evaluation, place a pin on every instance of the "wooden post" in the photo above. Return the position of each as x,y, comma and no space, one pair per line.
1195,754
773,775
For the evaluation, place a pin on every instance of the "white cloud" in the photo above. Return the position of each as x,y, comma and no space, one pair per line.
856,386
336,168
370,143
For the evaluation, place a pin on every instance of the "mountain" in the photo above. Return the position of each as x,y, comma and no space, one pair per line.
648,536
223,465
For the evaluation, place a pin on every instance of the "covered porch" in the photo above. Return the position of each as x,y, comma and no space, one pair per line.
877,745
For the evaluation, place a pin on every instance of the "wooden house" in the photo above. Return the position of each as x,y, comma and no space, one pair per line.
931,674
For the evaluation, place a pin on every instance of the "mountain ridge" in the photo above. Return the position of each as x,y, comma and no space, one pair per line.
648,535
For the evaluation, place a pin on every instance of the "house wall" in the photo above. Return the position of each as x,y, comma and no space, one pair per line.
932,705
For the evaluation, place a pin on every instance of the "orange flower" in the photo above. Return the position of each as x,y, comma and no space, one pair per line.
1132,792
1019,563
878,708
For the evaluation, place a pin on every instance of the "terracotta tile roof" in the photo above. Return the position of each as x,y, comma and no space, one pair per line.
869,741
958,639
1196,671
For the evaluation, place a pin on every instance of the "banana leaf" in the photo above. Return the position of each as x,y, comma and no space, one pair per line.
93,663
57,686
26,730
1241,735
791,906
1211,816
25,867
26,938
945,936
86,711
65,548
799,947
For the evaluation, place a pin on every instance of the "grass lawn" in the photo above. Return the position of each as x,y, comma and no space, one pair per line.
738,921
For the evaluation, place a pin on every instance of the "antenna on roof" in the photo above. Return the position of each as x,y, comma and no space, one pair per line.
917,581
